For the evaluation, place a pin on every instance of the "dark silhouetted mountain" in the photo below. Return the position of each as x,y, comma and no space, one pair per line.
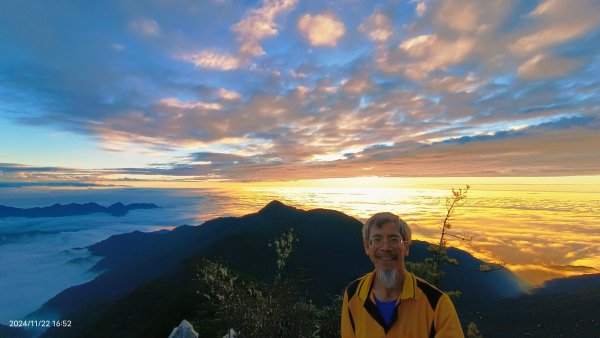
565,307
73,209
327,256
13,332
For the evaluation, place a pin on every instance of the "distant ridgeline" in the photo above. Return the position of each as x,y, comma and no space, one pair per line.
147,281
73,209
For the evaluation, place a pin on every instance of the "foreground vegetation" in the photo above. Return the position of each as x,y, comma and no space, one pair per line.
256,309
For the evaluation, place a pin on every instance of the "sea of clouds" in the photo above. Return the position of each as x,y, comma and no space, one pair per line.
40,257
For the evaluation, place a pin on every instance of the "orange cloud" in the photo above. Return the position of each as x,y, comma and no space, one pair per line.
321,29
260,24
543,66
378,27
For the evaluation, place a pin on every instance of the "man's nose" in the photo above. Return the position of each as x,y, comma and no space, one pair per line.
386,245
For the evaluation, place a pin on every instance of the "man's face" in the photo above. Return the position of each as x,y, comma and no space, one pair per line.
386,248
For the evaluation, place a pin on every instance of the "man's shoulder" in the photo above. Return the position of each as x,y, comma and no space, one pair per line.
432,293
353,286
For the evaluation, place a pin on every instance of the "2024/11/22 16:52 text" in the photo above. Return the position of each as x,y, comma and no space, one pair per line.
39,323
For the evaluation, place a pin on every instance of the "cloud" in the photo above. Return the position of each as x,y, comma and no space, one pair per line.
360,84
455,37
147,27
228,94
555,22
21,175
472,18
452,84
421,8
450,37
428,53
260,24
12,167
51,184
171,121
536,274
216,157
542,67
377,27
347,148
460,16
321,29
422,86
504,155
547,37
213,60
172,102
418,46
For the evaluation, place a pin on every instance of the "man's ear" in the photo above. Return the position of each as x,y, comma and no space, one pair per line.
407,248
366,246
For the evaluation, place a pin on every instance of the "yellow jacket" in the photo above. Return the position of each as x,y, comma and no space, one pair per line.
421,312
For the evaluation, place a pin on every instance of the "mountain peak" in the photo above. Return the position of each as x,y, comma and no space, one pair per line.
272,206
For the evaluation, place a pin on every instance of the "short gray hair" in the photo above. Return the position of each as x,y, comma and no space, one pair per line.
381,218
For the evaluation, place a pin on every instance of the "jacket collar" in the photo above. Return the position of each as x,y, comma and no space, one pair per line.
366,297
408,287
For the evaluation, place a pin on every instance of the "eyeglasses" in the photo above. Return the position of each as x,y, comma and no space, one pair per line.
392,242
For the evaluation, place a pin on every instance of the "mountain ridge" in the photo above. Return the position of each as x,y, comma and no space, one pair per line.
329,251
73,209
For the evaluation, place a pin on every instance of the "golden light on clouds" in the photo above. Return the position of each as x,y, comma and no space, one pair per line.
539,231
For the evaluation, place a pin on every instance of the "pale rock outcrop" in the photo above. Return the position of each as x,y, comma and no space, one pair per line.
184,330
231,334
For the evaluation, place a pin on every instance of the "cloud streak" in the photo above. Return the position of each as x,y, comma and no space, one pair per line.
213,60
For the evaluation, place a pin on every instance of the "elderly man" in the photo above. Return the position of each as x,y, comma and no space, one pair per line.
390,301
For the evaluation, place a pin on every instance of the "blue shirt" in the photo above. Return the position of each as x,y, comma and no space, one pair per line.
386,309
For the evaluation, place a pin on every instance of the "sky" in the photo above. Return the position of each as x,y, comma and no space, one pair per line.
185,92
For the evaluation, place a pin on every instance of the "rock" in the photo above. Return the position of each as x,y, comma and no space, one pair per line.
231,334
184,330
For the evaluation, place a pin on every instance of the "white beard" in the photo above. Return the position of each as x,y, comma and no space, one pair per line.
388,278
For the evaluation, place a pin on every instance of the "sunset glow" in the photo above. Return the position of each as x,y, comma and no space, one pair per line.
538,234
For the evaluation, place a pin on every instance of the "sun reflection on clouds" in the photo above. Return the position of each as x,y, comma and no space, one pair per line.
538,235
537,274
